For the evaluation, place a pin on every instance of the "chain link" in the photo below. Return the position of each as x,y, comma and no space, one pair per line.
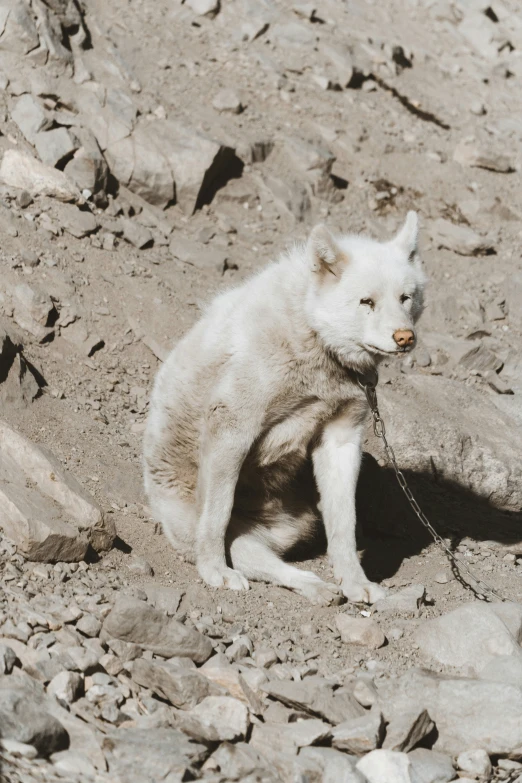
481,589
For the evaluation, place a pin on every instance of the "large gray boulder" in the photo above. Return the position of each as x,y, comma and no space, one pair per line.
24,715
43,509
470,637
467,713
164,161
438,425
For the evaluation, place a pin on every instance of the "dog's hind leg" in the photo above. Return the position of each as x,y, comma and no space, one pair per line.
255,559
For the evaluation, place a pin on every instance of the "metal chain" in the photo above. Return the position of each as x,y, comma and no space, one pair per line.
482,589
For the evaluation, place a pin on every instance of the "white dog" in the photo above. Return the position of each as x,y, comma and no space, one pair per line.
257,414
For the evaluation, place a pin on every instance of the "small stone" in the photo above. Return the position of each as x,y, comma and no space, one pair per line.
8,659
53,146
183,687
20,749
137,235
242,647
365,692
89,625
358,630
469,154
84,660
478,108
219,671
441,577
265,657
385,765
359,735
461,239
124,650
30,117
216,719
497,384
509,764
24,199
134,621
141,566
481,360
111,664
406,601
288,738
72,762
475,762
204,7
78,223
66,687
167,599
406,730
227,101
429,766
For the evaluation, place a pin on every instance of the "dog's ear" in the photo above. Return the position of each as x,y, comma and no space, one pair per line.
407,238
324,252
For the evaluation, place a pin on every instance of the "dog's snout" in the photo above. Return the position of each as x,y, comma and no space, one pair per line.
404,338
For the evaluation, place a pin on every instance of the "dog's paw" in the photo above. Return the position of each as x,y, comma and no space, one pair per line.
222,576
363,592
318,592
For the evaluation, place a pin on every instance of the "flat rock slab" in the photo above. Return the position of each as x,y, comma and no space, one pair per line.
27,173
360,630
314,695
134,621
183,688
221,672
406,601
429,766
167,599
461,239
289,737
136,755
359,735
43,509
215,719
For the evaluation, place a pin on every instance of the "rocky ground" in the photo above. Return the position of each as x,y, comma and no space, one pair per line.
153,153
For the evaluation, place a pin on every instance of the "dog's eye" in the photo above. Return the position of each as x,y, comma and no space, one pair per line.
405,298
368,302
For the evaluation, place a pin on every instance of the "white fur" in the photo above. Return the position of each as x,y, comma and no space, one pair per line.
261,396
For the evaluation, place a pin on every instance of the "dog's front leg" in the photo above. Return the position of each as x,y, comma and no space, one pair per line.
337,460
225,445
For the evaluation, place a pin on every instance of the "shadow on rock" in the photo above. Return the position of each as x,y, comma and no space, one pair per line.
389,530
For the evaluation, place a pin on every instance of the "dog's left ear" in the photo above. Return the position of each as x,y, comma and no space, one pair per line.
324,252
407,238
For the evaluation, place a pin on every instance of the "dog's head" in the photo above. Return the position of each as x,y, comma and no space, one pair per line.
365,296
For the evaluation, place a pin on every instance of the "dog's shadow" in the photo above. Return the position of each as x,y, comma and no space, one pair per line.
389,531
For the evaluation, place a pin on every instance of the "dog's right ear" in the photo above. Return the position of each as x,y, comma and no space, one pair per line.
324,252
